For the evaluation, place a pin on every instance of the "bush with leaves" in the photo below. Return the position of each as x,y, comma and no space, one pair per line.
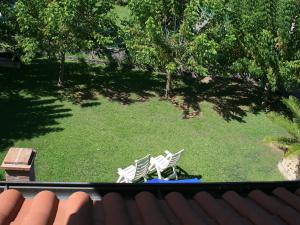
292,143
267,34
8,28
60,27
172,36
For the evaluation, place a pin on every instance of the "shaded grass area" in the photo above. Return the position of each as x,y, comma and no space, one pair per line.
103,119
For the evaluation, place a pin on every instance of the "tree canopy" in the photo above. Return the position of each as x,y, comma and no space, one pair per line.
171,36
8,28
60,27
259,40
268,41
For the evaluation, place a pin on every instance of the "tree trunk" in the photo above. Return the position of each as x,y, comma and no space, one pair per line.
168,86
61,70
266,97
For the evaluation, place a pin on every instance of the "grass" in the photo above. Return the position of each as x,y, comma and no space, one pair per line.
99,123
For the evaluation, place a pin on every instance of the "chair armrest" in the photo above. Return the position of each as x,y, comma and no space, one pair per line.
168,153
153,164
152,161
120,171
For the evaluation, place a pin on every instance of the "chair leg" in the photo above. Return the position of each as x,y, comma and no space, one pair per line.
145,178
119,179
127,181
175,173
158,173
151,167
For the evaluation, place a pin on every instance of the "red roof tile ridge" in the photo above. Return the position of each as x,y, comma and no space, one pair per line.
146,208
150,209
78,209
10,203
115,210
98,214
215,211
182,209
288,197
287,213
43,209
297,191
168,212
246,210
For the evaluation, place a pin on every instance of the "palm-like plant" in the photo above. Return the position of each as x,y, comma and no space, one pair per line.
290,144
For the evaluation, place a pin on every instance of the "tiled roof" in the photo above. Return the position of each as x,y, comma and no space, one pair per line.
280,206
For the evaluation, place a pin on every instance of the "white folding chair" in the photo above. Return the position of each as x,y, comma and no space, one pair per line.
135,172
161,163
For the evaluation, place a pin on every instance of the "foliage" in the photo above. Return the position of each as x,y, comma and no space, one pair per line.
121,2
252,39
60,27
8,28
169,36
268,41
292,144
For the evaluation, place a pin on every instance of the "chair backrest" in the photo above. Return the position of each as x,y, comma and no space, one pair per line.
174,158
141,167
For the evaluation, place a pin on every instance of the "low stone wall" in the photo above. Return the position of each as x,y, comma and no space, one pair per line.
290,168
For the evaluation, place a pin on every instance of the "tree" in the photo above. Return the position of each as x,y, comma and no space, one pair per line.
292,144
267,34
8,28
60,27
172,36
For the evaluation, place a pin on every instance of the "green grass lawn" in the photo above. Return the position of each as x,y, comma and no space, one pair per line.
98,123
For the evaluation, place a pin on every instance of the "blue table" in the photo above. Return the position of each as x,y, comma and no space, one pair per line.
186,181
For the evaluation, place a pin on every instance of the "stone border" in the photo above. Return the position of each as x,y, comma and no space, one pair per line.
290,168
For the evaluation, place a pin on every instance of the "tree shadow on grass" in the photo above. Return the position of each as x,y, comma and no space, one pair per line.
181,173
83,83
232,98
123,86
28,117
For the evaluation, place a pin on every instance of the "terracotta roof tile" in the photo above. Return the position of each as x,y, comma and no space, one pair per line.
133,211
42,210
216,210
10,204
78,209
200,211
288,197
98,213
289,215
247,210
179,204
254,207
166,210
115,210
150,210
